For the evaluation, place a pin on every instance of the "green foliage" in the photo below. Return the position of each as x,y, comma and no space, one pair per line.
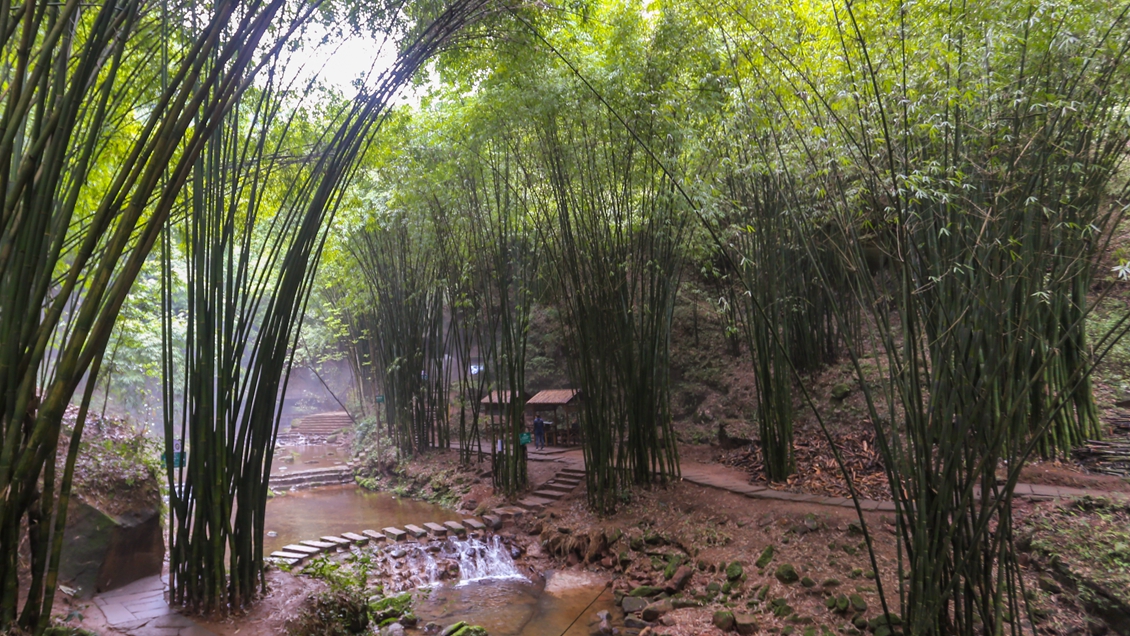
338,612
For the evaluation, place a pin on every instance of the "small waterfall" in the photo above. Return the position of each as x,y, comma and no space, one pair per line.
483,561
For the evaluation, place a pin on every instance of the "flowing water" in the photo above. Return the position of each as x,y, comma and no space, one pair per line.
489,588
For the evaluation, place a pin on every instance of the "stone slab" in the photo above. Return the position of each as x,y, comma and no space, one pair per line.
395,534
279,554
548,494
374,535
415,530
335,540
474,524
304,549
494,522
532,503
455,527
324,545
354,537
436,529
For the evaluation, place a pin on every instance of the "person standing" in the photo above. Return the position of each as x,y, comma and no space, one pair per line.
539,432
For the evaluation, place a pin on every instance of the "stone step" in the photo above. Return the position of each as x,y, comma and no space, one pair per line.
532,503
336,540
436,529
355,538
305,549
575,472
395,534
558,487
415,531
474,524
277,561
548,494
282,554
374,535
455,527
322,545
494,522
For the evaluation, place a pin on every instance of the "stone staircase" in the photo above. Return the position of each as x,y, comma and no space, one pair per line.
564,482
297,552
321,424
329,476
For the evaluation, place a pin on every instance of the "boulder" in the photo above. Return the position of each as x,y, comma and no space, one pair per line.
104,551
645,590
766,556
745,624
841,391
723,620
734,571
632,604
787,574
680,579
652,612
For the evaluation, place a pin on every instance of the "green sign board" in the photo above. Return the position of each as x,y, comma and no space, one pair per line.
178,458
380,399
525,438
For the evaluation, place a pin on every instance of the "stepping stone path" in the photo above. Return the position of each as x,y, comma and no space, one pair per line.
336,540
374,535
436,529
415,531
564,482
395,534
455,527
323,545
355,538
304,549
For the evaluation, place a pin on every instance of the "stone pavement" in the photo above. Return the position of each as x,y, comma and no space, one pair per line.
140,609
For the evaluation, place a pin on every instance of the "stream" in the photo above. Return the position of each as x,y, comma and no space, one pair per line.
491,591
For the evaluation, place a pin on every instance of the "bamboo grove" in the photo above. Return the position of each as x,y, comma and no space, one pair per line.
927,191
123,125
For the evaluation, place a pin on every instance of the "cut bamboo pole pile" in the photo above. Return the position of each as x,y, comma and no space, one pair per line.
1109,457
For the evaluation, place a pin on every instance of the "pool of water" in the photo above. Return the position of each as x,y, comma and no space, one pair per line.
542,606
516,608
289,459
331,510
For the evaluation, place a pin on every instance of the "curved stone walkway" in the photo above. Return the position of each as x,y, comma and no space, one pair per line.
140,609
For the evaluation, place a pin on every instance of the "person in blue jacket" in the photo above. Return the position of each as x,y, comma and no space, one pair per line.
539,432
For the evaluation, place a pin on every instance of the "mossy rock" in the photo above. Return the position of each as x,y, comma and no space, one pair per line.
727,587
636,543
856,573
857,603
766,556
645,590
390,607
842,604
859,621
841,391
787,574
830,603
869,574
713,587
831,583
657,563
850,550
807,582
781,611
625,559
471,630
652,537
723,620
734,571
673,564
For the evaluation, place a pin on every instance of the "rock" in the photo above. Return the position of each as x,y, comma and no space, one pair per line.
612,536
734,571
745,624
625,559
602,628
683,603
807,582
597,545
604,615
841,391
713,587
723,620
766,556
652,537
653,611
607,563
831,583
667,620
786,574
632,604
857,603
645,590
432,628
680,579
105,551
396,629
632,621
